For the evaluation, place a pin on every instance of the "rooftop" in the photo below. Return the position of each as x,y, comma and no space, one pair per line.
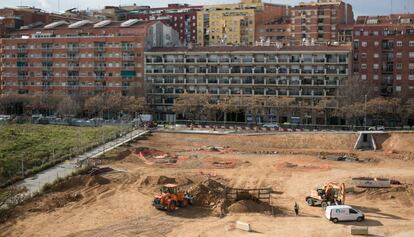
255,48
386,20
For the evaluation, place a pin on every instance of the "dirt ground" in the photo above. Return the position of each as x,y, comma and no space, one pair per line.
118,203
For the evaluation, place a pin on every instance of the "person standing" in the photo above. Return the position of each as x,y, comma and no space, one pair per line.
296,208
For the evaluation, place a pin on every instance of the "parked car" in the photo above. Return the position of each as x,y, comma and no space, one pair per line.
343,213
270,125
376,128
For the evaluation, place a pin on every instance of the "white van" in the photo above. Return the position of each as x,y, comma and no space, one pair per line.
343,213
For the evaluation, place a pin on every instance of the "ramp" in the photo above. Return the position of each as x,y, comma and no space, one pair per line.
366,141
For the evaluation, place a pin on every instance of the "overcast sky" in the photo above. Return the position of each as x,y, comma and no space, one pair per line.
361,7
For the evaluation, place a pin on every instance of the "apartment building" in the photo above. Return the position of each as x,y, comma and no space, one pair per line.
14,18
306,73
234,24
320,21
181,17
383,51
82,58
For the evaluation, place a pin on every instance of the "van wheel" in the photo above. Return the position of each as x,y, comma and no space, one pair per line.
335,220
359,219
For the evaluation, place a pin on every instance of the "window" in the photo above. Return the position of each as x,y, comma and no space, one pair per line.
399,66
352,210
363,55
364,44
398,88
411,66
411,55
399,55
363,66
398,77
411,77
375,66
375,77
376,55
399,43
375,33
411,43
357,33
363,77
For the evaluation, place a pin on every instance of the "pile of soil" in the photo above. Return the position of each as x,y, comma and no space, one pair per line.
402,193
249,206
207,193
157,180
373,193
54,201
77,181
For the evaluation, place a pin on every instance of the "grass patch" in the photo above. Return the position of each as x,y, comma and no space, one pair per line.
42,146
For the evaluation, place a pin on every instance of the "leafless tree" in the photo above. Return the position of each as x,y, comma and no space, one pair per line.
68,107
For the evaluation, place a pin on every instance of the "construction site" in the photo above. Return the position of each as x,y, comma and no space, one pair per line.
189,184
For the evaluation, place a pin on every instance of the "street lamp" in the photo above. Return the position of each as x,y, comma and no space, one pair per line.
365,112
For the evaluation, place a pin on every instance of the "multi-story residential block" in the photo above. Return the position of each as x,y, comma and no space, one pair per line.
274,32
319,22
81,58
384,53
234,24
181,17
306,73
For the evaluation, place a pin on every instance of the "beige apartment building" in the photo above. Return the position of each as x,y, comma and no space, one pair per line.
234,24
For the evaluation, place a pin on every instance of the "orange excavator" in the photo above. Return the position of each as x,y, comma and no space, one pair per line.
329,194
171,198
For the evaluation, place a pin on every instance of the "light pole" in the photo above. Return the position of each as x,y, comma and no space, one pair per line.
365,112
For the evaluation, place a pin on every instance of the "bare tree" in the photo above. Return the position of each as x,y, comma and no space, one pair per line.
68,107
195,106
94,105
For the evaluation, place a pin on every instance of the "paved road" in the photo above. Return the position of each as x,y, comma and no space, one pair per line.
35,183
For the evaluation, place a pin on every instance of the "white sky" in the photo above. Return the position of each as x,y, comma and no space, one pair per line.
361,7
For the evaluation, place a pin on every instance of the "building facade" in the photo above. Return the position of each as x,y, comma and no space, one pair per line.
306,73
181,17
384,53
234,24
81,58
319,22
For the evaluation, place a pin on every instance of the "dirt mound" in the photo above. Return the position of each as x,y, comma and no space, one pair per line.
157,180
78,181
249,206
401,193
54,201
207,193
398,142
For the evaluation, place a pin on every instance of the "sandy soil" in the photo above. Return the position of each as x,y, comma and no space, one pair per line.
119,202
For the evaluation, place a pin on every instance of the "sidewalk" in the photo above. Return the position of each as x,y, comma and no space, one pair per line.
35,183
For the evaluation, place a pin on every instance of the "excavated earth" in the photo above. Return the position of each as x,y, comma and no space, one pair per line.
118,203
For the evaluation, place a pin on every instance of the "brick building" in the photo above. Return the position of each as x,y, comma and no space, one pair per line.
14,18
306,73
81,58
383,53
319,22
181,17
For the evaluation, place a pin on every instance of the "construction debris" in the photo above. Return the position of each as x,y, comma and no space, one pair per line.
368,182
100,170
340,158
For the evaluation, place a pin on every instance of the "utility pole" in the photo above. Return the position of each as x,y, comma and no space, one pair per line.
365,112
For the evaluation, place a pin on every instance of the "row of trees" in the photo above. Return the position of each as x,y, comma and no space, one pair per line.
70,106
208,107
